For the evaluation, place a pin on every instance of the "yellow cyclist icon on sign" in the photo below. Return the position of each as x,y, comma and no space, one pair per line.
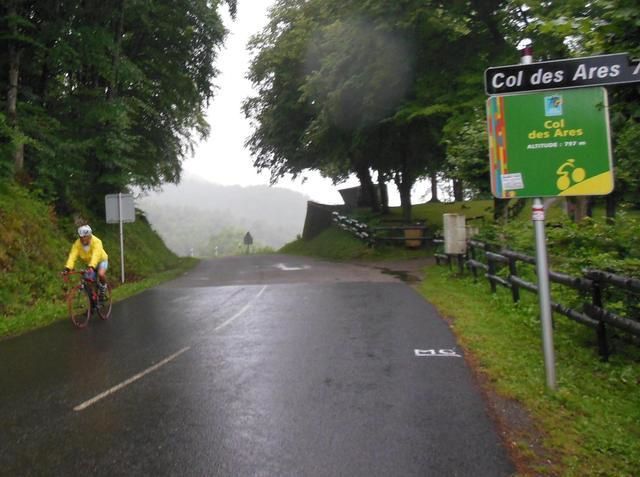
576,175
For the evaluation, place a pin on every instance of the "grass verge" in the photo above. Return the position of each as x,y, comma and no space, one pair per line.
48,311
591,424
336,244
431,212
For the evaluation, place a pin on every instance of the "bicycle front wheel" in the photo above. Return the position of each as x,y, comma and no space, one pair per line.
79,306
104,304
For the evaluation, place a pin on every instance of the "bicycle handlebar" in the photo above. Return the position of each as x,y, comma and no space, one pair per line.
65,275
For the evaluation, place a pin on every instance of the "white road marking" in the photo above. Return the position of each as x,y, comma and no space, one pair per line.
151,369
180,299
433,353
286,268
123,384
244,308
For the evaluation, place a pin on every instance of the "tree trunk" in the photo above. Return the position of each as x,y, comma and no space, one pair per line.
458,191
115,66
12,100
580,209
384,194
368,196
500,208
590,203
434,188
404,186
405,200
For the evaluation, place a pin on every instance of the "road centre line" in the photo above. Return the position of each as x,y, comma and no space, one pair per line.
244,308
118,387
132,379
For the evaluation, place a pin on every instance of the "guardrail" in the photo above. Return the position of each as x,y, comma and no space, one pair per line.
381,234
397,233
593,284
358,229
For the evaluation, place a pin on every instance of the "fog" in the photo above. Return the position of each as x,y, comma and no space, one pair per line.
205,219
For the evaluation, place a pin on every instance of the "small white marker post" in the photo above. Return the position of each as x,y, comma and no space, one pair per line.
542,269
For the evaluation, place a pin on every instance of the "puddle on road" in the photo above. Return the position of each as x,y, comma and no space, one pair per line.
406,277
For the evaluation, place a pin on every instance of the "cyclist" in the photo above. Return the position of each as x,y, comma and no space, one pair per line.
89,248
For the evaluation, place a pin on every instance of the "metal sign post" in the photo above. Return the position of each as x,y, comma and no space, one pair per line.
544,292
552,144
120,209
542,269
121,238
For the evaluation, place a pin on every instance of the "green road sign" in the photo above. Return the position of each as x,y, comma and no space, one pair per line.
550,144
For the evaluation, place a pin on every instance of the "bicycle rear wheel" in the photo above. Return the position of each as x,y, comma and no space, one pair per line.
79,306
104,305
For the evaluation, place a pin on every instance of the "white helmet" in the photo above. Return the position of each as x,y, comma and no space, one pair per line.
84,231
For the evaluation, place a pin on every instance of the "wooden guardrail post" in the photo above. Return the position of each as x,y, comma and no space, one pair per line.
513,272
474,270
491,272
601,330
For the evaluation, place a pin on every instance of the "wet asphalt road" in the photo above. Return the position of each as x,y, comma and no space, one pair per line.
266,366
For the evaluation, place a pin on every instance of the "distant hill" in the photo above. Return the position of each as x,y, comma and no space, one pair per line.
188,215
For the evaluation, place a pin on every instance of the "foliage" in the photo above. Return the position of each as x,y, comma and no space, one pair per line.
110,94
332,244
431,213
31,250
592,243
467,156
574,247
348,87
592,28
337,244
396,87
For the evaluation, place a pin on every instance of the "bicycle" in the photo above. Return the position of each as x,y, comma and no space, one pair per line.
83,299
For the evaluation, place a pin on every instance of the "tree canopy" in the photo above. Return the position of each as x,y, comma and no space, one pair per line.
396,87
104,95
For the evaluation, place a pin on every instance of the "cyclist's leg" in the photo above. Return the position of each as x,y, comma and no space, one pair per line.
102,271
102,276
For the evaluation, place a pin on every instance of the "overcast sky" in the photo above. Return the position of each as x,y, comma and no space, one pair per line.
223,158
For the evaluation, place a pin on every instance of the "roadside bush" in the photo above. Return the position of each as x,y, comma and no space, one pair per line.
575,247
592,243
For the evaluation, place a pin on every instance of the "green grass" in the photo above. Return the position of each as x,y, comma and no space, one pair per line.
336,244
592,423
432,213
34,244
48,310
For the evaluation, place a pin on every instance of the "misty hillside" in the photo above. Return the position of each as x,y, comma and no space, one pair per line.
201,215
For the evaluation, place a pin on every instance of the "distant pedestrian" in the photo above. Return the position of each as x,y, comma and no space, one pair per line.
248,241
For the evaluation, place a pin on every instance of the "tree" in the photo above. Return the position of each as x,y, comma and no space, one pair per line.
110,95
467,156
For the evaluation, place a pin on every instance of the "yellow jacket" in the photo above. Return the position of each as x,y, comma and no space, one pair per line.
92,256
